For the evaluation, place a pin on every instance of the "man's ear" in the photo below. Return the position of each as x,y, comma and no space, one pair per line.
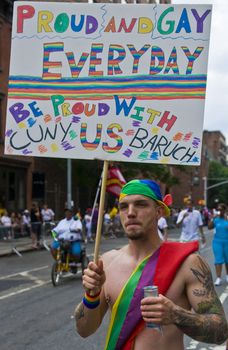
160,212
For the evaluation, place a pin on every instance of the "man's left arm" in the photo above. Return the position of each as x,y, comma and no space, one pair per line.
206,322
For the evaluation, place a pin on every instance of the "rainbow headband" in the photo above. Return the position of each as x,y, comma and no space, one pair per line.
149,189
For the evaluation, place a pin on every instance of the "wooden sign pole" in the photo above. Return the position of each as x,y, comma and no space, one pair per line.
101,211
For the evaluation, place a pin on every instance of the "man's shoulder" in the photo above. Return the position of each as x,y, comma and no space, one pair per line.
192,257
196,211
182,212
192,266
194,262
112,255
62,221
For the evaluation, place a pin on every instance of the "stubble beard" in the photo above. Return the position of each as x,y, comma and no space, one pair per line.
135,235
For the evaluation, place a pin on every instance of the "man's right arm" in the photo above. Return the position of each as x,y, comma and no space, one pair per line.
88,320
180,218
90,312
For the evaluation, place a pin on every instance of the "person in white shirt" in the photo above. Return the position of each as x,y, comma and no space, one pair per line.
7,223
26,222
47,214
192,224
106,223
88,224
163,228
6,220
47,217
69,229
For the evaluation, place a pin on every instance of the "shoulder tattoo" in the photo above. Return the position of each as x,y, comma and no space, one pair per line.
211,302
204,276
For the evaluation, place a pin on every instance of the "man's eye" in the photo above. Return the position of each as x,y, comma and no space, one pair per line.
122,207
141,204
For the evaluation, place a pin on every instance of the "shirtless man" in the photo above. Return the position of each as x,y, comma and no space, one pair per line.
190,304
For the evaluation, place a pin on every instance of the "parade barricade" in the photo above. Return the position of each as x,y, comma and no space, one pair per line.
10,240
46,236
18,239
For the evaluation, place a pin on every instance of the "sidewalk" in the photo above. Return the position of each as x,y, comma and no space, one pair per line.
21,245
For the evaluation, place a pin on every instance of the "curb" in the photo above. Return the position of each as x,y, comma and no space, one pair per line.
19,250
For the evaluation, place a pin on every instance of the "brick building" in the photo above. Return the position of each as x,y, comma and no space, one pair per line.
192,178
15,172
216,146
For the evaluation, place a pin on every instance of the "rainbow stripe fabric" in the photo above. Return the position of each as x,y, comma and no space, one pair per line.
126,310
96,88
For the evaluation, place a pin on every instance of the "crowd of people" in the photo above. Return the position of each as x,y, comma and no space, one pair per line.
27,223
32,222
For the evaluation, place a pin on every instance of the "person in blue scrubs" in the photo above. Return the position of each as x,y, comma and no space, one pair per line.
220,242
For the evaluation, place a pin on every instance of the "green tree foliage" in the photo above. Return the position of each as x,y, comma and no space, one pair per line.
217,173
87,173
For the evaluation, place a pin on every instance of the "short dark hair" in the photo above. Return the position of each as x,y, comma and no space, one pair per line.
222,206
68,209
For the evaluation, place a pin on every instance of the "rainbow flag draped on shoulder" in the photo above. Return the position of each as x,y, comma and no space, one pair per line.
159,269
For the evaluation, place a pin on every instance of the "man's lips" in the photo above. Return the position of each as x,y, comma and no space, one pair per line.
132,224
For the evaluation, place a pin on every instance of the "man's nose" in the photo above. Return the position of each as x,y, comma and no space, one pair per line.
131,210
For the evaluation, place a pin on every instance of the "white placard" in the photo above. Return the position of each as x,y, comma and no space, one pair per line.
108,81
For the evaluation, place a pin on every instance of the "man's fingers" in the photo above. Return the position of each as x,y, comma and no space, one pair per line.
96,268
90,286
100,264
92,281
152,300
93,277
92,274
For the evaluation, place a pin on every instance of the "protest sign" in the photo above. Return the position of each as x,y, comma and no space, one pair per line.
108,81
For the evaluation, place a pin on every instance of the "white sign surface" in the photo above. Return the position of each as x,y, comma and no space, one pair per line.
108,81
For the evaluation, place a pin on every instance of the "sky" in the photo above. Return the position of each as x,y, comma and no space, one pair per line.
216,105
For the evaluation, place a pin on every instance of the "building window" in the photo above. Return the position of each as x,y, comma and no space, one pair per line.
38,186
1,46
6,8
12,186
1,131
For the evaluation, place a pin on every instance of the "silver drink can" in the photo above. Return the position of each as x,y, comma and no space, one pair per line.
151,291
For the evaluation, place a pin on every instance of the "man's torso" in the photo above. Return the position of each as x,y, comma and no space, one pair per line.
118,272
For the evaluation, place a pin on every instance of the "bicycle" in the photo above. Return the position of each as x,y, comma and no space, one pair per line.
65,262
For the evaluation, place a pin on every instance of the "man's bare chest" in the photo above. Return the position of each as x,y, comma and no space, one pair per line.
116,281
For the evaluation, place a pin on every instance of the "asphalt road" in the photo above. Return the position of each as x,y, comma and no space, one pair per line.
34,315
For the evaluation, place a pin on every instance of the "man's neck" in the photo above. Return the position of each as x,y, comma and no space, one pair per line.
140,249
